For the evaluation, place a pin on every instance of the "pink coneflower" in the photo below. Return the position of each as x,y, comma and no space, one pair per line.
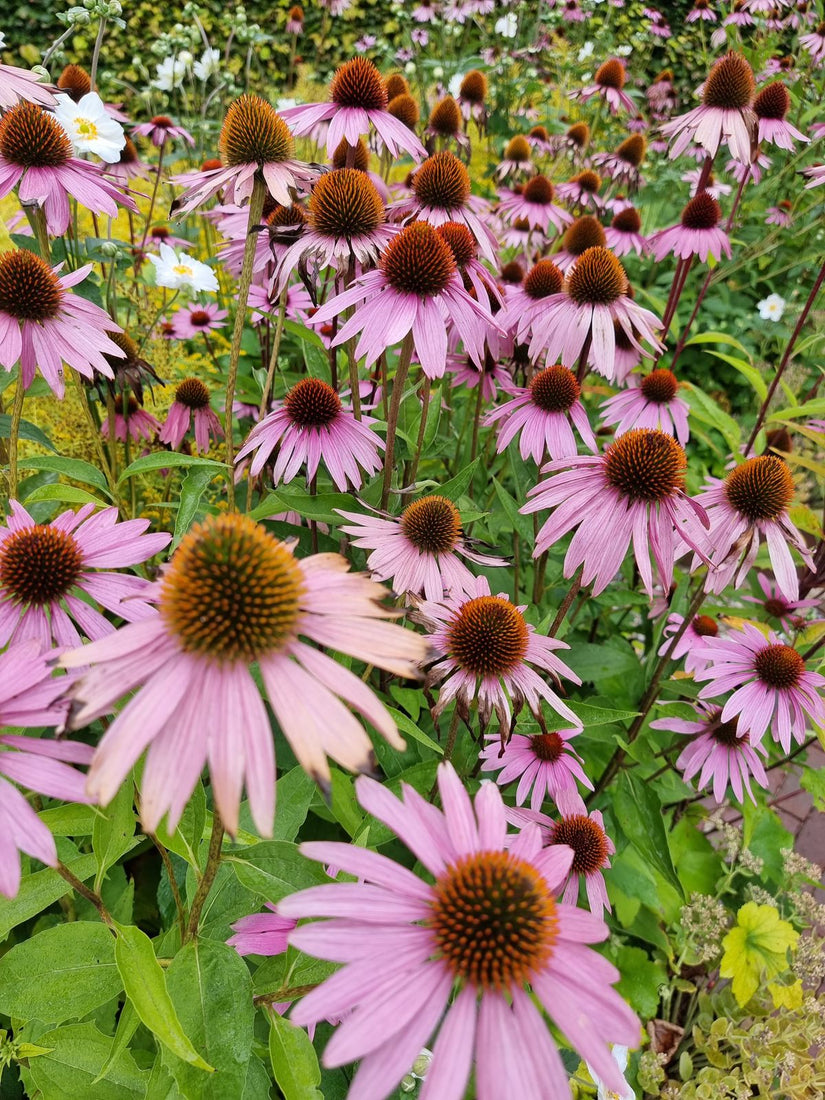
255,142
441,194
425,12
701,10
661,94
262,933
233,595
491,378
472,95
543,413
295,20
582,190
697,234
30,697
485,649
516,160
131,421
585,834
720,750
525,302
444,125
726,114
18,84
358,100
651,401
595,295
714,187
43,324
771,686
128,167
635,490
534,205
623,164
312,426
780,214
44,567
771,106
777,607
417,290
699,628
545,764
162,234
753,500
161,129
475,276
405,943
814,43
816,176
585,232
419,550
346,221
572,13
191,407
748,172
195,319
36,157
608,84
624,234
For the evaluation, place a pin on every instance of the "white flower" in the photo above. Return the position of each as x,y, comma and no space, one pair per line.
624,50
2,40
285,103
772,307
186,58
209,64
507,25
182,272
89,128
170,74
586,51
620,1058
455,84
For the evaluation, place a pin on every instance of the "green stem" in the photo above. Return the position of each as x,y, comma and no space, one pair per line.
425,409
213,860
14,433
85,892
392,417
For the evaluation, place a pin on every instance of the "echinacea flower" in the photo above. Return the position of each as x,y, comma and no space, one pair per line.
31,696
472,95
526,300
90,127
346,221
534,204
776,606
582,190
43,324
725,115
45,566
191,408
623,164
255,143
295,20
814,42
182,272
131,421
161,129
128,165
720,750
474,275
18,85
485,649
753,501
697,234
701,10
624,234
262,933
545,764
444,125
650,401
516,160
195,319
585,232
771,106
357,100
233,596
311,426
543,413
408,945
771,687
693,638
635,491
608,84
36,157
416,290
419,551
585,834
780,214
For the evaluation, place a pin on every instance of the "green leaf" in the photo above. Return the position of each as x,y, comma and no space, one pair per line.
294,793
28,431
321,508
77,1054
408,727
113,831
457,486
145,985
74,468
127,1024
304,334
639,813
521,523
640,980
294,1061
186,839
755,948
706,410
599,716
274,869
807,409
718,338
62,973
40,890
316,358
66,494
193,487
813,781
162,460
73,819
211,989
748,370
594,663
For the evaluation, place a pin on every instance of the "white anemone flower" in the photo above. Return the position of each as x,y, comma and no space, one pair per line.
89,127
772,307
209,64
181,272
604,1093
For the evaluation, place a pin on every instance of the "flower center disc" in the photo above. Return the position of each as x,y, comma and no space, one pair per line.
660,386
445,117
585,232
396,85
586,838
494,920
548,747
232,591
405,109
29,289
474,87
773,101
199,317
761,488
627,220
554,389
730,84
312,403
32,138
192,393
442,181
518,149
75,82
488,637
632,150
459,240
418,261
345,203
705,626
432,524
543,280
779,666
702,212
589,182
539,190
645,464
254,133
579,134
358,84
361,157
776,607
597,278
724,733
513,273
610,75
39,564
